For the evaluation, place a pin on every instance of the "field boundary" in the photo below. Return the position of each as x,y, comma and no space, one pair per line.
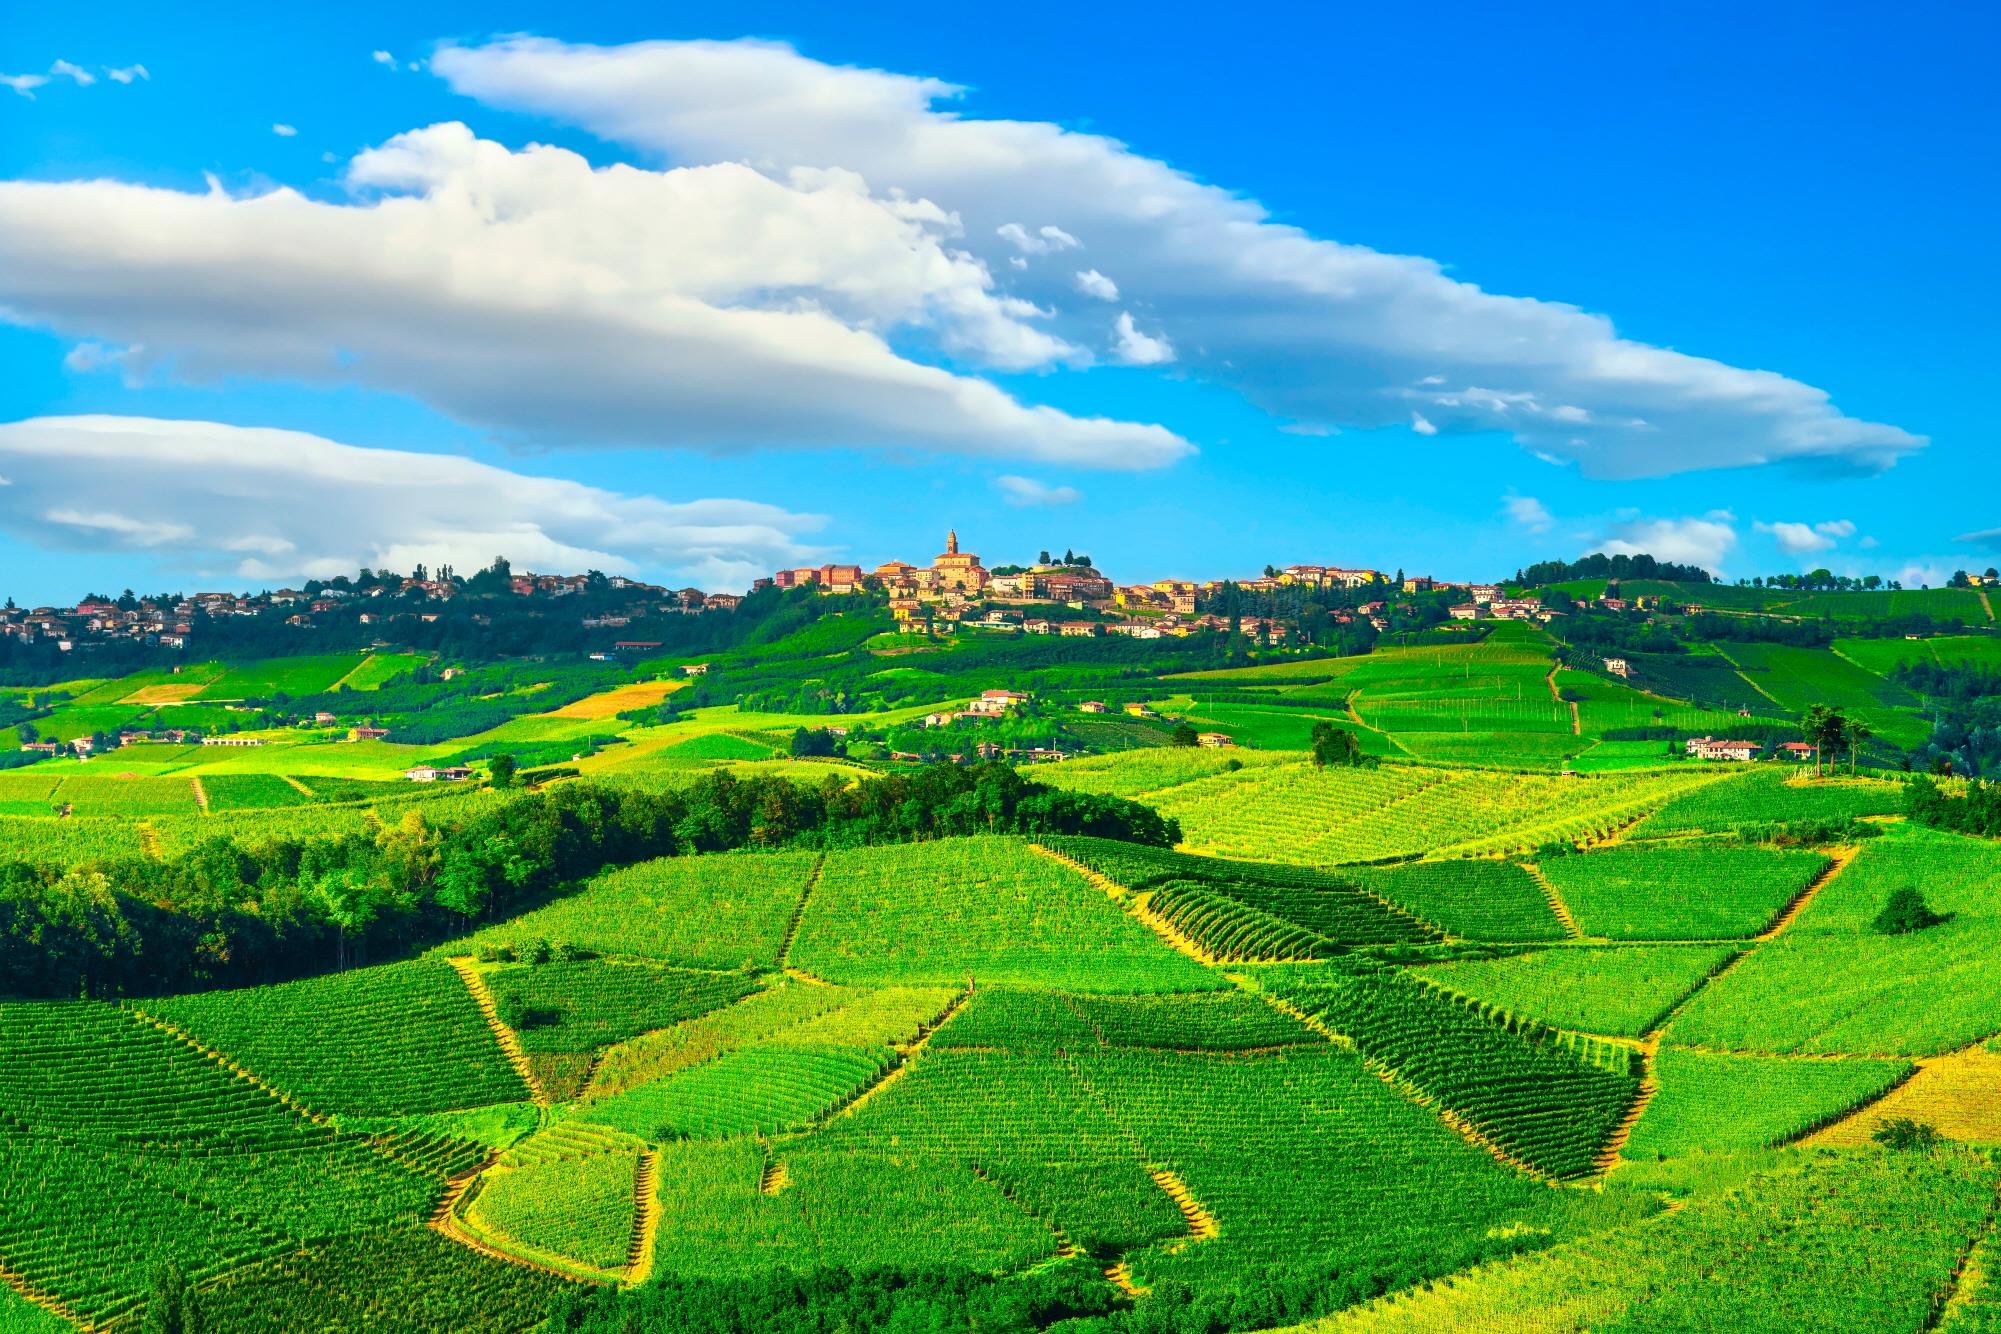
902,1057
297,785
1571,930
201,794
31,1293
799,912
1134,904
489,1009
645,1219
1838,860
217,1057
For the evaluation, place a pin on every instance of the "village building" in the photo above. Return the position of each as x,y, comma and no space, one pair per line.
1619,667
992,702
1092,706
1800,751
1722,748
232,741
1214,740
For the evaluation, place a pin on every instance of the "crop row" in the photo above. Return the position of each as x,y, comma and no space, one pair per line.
1035,1021
390,1040
1540,1100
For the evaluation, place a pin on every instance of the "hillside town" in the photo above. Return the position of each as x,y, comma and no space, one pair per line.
1067,596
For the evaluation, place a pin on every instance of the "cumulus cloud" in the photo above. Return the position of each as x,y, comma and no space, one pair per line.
270,505
1027,491
1705,540
1801,539
284,131
383,58
562,304
77,74
1528,512
128,74
1315,331
1092,283
24,84
1422,424
1139,349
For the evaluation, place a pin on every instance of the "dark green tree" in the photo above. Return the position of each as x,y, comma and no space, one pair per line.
501,770
1905,912
1182,735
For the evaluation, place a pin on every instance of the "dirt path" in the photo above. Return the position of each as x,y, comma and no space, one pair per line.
1838,860
1201,1223
489,1009
295,783
1571,931
645,1219
1959,1094
448,1221
201,794
1985,605
1136,904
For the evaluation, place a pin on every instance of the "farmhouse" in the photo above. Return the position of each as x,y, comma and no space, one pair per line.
1619,667
997,701
1722,748
1801,751
1092,706
1466,611
367,734
425,773
1214,740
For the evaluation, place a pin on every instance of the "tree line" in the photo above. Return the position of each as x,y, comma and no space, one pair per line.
228,913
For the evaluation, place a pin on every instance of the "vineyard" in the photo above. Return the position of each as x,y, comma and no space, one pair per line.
1520,1023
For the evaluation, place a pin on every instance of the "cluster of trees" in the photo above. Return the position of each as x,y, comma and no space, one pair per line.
1821,581
1598,565
1338,746
1976,811
231,913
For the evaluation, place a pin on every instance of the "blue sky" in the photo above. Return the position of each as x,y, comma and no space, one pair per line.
1796,192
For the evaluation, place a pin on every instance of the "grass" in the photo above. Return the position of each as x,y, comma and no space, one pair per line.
296,677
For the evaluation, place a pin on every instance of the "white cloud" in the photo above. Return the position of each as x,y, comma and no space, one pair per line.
1138,349
1315,331
1043,241
1422,424
560,304
1028,491
383,58
284,131
1092,283
1703,541
26,84
1800,539
270,504
1529,512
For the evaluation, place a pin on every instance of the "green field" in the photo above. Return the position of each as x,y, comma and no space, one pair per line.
1522,1028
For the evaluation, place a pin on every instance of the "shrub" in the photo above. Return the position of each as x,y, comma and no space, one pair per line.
1906,1136
1905,912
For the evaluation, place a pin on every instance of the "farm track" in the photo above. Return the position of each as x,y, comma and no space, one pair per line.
1571,930
645,1219
1201,1223
201,794
799,912
1838,860
296,784
1973,1073
489,1009
446,1220
49,1302
1969,1273
1576,718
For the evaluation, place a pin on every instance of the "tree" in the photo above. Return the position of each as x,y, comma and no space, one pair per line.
170,1307
1823,728
1905,912
501,769
1905,1135
1859,735
1337,745
1182,735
